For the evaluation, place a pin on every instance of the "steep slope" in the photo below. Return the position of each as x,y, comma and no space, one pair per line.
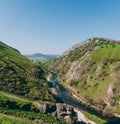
25,92
22,84
91,70
21,76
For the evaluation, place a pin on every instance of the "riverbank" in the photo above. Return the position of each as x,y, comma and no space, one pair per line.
66,95
88,107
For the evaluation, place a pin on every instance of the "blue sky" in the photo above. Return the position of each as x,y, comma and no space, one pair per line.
53,26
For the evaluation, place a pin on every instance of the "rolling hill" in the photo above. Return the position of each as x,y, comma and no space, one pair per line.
22,84
91,70
21,76
26,96
38,57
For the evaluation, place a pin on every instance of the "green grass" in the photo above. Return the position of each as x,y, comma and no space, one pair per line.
97,86
94,118
94,72
12,97
20,76
22,82
107,51
5,119
11,101
94,91
18,116
22,108
30,115
40,57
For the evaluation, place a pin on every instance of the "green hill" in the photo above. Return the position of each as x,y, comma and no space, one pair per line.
22,84
91,70
21,76
38,57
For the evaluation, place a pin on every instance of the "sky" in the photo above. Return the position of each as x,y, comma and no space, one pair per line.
53,26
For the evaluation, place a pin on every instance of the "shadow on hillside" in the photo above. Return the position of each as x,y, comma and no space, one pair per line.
116,121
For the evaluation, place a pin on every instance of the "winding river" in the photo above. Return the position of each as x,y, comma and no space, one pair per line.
65,97
62,93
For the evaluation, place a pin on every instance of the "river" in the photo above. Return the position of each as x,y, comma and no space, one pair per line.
65,97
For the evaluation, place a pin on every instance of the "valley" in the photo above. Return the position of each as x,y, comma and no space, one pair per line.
88,71
60,62
67,96
81,86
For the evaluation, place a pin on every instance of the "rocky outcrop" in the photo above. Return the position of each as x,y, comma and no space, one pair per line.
91,69
83,118
66,113
63,112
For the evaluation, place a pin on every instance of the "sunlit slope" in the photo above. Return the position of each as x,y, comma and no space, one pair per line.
92,70
20,110
21,76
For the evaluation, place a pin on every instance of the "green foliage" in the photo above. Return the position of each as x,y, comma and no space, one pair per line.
14,102
94,118
4,119
30,115
16,108
21,76
92,66
38,57
80,51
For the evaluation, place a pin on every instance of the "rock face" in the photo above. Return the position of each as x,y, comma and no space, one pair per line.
82,118
63,112
91,70
67,114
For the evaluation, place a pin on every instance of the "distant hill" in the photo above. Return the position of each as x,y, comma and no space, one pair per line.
91,69
41,57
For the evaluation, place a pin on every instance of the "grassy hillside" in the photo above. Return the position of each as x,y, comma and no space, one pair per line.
22,84
92,70
21,76
4,119
19,110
